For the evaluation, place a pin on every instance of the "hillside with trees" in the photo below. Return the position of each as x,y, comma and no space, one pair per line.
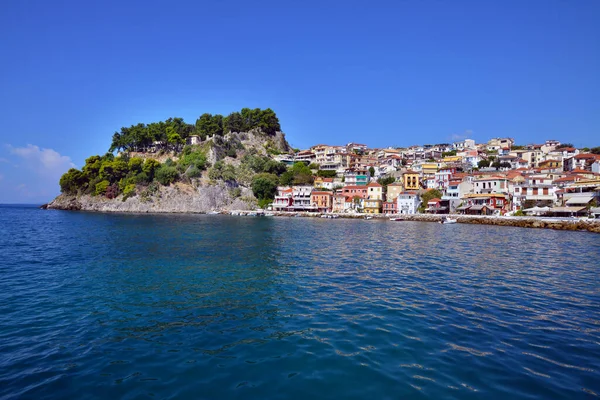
233,153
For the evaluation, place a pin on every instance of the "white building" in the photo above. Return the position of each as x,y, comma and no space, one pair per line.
408,202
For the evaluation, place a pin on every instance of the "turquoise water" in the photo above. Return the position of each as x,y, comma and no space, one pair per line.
193,306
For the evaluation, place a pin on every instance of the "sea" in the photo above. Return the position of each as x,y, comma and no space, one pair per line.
125,306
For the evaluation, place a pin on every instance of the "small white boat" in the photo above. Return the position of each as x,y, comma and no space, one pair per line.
396,219
447,221
368,217
324,216
213,212
269,215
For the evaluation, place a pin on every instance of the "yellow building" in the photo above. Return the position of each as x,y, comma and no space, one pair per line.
429,168
411,180
393,190
374,191
373,206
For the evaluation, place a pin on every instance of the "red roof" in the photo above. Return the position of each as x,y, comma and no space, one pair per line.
585,156
374,184
436,200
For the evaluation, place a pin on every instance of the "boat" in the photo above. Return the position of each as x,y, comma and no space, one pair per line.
213,212
396,219
447,221
269,215
324,216
368,217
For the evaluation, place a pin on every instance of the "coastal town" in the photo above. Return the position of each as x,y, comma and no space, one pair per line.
464,177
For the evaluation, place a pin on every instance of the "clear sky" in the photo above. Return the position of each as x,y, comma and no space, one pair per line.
382,73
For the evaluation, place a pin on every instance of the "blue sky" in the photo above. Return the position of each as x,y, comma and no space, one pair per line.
381,73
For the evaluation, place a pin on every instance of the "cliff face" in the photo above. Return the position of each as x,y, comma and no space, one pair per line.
177,198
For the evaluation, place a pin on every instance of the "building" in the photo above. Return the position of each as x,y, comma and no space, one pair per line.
284,199
390,207
393,190
375,191
355,191
322,200
193,139
408,202
302,199
356,177
372,206
411,180
435,206
473,202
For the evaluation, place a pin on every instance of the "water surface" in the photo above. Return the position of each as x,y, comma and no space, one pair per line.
197,306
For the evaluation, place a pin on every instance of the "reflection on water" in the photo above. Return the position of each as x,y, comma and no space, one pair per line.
223,307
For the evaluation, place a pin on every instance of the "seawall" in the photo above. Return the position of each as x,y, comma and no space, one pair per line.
565,224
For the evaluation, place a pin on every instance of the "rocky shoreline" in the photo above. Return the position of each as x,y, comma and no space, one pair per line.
178,202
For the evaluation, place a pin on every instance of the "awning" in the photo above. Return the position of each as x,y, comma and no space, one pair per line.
461,208
566,209
579,200
478,207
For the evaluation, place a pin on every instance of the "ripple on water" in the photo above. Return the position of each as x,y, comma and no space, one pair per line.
132,306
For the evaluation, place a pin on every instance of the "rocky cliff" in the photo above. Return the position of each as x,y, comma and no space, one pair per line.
177,198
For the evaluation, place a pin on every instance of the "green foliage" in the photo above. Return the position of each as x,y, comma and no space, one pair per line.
372,171
450,153
135,164
298,174
385,181
169,135
196,159
314,166
326,174
101,187
129,191
519,213
150,167
263,203
483,164
221,171
193,172
427,196
166,175
264,186
71,181
595,150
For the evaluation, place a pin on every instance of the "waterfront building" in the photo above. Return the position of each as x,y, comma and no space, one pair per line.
390,206
322,200
408,202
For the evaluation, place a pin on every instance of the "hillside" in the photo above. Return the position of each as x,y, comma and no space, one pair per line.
154,170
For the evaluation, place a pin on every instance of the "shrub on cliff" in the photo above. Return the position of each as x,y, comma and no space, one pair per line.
101,187
166,175
71,181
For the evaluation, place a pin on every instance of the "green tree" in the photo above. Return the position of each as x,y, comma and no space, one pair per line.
595,150
372,171
326,173
150,167
483,164
166,175
72,181
427,196
264,186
